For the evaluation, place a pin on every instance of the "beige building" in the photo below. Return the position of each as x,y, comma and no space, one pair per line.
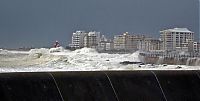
127,41
149,44
119,42
105,46
176,39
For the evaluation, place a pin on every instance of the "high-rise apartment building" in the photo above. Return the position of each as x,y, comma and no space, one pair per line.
92,39
78,39
176,39
82,39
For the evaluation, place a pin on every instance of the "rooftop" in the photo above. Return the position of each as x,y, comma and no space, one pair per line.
179,30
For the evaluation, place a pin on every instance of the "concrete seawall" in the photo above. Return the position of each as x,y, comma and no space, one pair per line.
172,61
101,86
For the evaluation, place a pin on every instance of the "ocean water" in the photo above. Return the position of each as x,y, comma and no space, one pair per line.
85,59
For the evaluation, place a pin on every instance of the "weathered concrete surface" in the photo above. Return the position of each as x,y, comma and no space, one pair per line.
170,61
101,86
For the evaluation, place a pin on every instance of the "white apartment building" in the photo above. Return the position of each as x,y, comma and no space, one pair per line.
78,39
92,39
176,39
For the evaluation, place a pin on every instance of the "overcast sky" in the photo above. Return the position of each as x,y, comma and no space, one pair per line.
38,23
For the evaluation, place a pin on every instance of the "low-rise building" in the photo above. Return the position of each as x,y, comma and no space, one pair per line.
127,41
195,46
149,44
105,45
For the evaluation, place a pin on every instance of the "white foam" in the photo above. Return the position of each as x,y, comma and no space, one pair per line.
41,50
2,51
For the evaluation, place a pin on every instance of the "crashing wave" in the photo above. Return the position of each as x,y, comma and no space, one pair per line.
85,50
135,56
57,49
41,50
37,53
2,51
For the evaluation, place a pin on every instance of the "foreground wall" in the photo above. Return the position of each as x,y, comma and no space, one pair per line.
101,86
